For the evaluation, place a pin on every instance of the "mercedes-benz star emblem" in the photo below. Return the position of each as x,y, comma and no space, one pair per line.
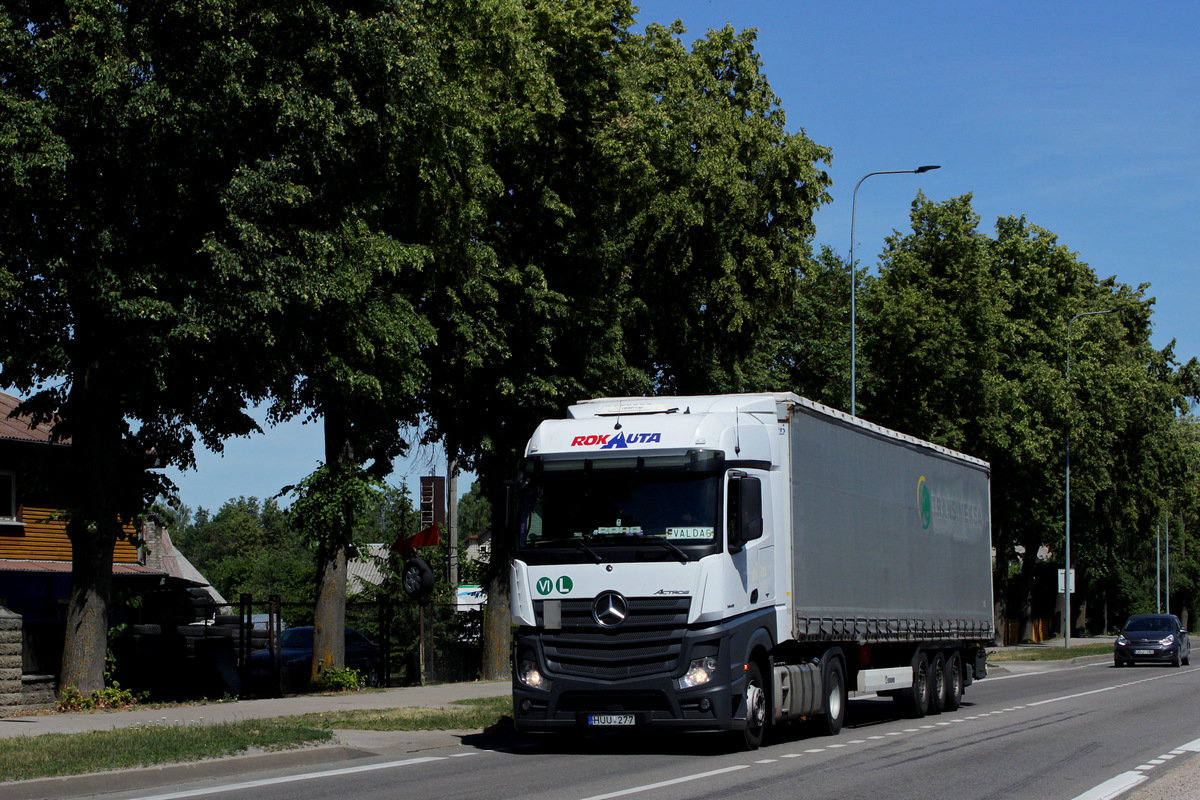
610,609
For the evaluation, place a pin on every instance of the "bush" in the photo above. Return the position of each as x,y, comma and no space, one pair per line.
109,697
339,680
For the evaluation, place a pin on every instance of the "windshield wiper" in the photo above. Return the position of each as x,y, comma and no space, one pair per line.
581,546
684,557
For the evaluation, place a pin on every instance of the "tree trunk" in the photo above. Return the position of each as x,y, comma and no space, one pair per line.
86,644
497,623
329,616
1028,571
94,486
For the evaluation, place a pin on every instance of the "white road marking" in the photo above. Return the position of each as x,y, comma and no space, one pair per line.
307,776
673,782
1114,787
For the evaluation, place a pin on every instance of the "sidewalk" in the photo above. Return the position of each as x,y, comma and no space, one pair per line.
411,696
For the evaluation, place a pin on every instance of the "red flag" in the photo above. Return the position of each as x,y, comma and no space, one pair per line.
425,538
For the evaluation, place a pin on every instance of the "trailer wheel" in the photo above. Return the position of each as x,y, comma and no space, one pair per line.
914,700
833,705
954,681
937,683
756,708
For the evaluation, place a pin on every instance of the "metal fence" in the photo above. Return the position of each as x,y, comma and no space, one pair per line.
418,643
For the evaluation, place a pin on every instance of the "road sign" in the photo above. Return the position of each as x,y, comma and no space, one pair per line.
1061,581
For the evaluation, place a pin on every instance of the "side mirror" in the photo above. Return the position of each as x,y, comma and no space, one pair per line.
745,519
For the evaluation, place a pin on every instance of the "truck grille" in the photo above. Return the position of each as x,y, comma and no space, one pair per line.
649,641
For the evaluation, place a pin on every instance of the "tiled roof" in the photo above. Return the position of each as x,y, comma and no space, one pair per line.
18,427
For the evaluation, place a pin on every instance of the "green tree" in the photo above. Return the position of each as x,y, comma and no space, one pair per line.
651,215
250,548
125,127
965,339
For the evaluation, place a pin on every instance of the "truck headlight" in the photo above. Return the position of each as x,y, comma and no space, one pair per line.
700,672
529,674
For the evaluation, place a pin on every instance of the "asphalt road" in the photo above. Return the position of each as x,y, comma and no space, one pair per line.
1084,731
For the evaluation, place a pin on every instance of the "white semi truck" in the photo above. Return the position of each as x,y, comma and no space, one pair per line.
726,563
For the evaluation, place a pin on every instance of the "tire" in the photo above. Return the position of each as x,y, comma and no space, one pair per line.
914,700
833,704
954,681
756,708
417,578
937,683
1118,663
1177,661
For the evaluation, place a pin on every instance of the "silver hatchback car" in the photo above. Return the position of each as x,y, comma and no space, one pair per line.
1152,638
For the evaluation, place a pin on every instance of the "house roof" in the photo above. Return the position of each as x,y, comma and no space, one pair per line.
177,565
364,571
8,565
18,427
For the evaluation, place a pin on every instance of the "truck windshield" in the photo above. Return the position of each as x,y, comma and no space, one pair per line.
607,506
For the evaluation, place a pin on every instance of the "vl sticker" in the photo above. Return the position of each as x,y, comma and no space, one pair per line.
563,585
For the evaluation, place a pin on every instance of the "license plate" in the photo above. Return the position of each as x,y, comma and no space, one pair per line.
1143,652
611,719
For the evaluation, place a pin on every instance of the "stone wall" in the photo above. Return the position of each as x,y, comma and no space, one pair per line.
19,692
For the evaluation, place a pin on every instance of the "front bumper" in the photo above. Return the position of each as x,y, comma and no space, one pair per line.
574,702
1146,653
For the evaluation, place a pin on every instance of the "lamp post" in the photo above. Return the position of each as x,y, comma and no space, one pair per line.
1068,584
854,273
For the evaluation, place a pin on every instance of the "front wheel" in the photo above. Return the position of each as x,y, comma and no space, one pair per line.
833,706
756,708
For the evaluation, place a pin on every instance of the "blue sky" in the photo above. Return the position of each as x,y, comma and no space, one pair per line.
1083,117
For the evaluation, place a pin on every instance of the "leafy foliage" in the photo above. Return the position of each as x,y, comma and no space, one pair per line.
250,548
110,697
966,339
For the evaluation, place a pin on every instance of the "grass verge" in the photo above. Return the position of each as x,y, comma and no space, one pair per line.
463,715
1050,653
55,754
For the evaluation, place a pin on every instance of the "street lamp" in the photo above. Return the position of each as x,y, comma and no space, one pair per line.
1067,583
854,273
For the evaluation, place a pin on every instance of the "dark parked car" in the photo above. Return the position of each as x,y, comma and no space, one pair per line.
296,654
1155,638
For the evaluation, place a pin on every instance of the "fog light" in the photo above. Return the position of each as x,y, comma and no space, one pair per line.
705,704
526,705
529,675
700,672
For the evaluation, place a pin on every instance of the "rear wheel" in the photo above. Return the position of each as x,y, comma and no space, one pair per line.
937,683
954,681
914,700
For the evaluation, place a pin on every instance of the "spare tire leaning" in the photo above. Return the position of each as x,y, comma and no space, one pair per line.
417,578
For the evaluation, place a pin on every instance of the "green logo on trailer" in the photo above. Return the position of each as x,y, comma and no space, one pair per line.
924,503
564,585
544,586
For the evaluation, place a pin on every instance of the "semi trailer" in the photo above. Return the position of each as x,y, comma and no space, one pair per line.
733,562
